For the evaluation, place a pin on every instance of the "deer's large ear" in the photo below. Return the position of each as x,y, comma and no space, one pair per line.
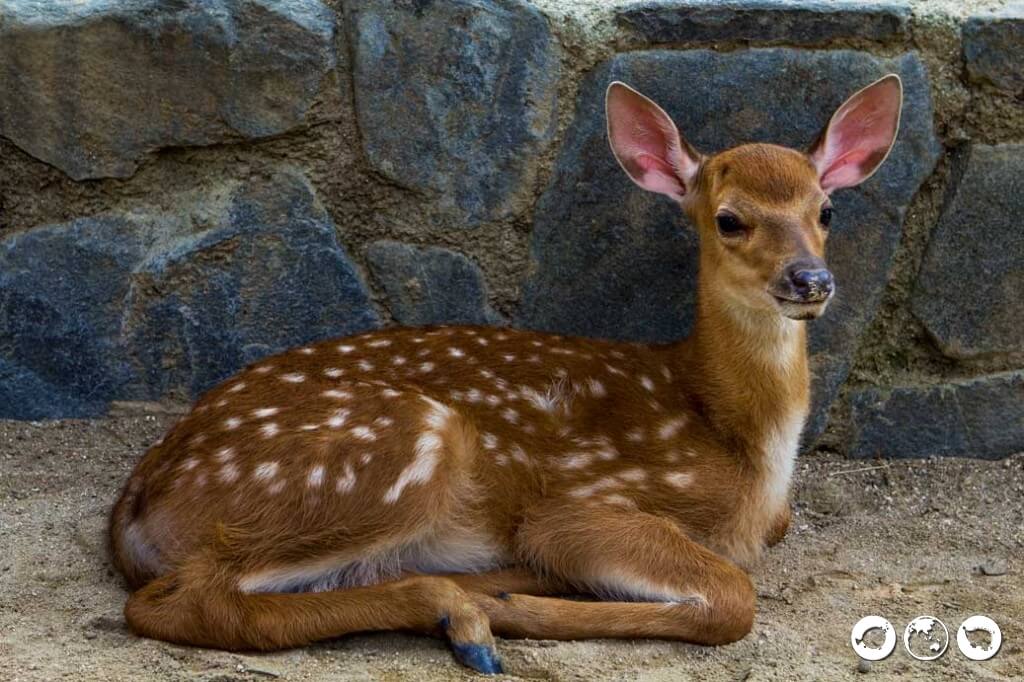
647,143
859,135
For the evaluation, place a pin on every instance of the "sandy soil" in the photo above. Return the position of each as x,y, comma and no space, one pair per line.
898,539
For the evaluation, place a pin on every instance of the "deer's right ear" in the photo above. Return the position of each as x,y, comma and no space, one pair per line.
647,144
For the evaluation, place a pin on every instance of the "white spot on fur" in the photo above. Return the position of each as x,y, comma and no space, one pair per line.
508,357
228,473
635,435
482,341
614,370
633,475
646,382
189,464
438,414
237,387
365,365
338,419
309,427
276,487
379,343
383,422
670,428
518,454
390,393
347,481
679,479
427,367
265,471
619,500
316,476
596,388
194,441
224,454
263,369
510,415
232,423
293,378
489,440
344,348
492,400
333,372
666,372
595,487
365,458
222,402
307,350
456,352
337,394
265,412
364,433
577,460
428,451
399,360
270,430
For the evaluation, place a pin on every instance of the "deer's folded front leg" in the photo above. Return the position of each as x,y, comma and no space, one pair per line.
662,582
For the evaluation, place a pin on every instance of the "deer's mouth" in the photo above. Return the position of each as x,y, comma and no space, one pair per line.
796,309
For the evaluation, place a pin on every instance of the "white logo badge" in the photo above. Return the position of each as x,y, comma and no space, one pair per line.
870,653
973,624
926,638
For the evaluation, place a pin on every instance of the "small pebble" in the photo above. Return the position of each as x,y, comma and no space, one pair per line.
993,567
864,666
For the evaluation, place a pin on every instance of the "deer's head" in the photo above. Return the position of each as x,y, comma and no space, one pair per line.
762,211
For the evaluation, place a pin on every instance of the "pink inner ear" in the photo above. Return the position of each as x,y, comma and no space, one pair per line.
859,136
646,143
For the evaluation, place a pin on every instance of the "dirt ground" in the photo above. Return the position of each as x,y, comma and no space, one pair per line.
901,539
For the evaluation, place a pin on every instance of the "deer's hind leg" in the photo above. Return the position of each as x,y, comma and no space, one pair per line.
195,605
274,574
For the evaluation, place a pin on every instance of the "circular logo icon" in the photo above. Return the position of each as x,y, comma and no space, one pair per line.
926,638
979,624
867,651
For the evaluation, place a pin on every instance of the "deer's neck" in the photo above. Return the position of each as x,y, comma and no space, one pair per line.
751,367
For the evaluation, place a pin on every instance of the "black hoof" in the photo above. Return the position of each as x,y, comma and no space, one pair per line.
479,657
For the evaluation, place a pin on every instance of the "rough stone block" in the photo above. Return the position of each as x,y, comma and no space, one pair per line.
455,99
799,22
141,305
994,47
981,417
968,291
610,260
430,285
91,87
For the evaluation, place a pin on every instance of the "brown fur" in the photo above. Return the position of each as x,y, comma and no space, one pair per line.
468,462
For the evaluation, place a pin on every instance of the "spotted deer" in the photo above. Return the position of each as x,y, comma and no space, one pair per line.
461,481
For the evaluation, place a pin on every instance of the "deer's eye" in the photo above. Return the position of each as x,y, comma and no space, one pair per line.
729,225
826,216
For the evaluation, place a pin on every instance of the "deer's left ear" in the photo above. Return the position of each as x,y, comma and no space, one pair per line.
859,135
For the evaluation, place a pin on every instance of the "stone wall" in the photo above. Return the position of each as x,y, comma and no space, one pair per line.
187,185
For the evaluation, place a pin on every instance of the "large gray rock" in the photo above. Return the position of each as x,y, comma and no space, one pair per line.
613,261
455,99
793,21
91,87
969,288
994,47
142,305
430,285
981,417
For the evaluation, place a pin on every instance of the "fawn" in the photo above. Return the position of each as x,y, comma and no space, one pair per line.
454,481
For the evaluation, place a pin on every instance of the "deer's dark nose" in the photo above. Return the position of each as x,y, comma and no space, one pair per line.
812,284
